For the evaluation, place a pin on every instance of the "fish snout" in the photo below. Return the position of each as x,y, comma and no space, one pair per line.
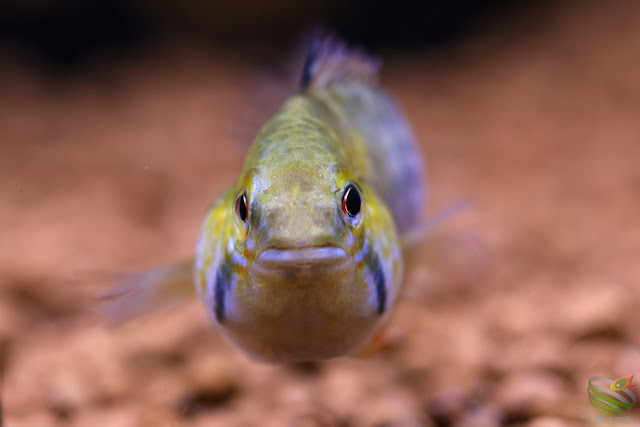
301,225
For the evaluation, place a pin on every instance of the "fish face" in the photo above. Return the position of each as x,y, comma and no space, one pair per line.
308,271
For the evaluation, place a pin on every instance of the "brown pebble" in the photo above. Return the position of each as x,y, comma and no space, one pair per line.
447,404
64,390
210,382
38,418
593,310
481,416
311,418
394,407
530,393
546,421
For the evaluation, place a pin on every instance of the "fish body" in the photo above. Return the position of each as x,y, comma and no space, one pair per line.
300,259
622,383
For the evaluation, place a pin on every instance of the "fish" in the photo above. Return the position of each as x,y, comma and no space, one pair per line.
301,259
622,383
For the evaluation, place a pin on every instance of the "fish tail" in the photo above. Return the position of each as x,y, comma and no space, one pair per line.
329,60
139,293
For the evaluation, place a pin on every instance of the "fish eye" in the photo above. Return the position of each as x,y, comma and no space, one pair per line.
351,201
241,207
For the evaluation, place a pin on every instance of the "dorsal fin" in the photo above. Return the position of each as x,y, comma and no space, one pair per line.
329,60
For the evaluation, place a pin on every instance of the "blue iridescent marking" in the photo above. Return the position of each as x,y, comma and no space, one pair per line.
220,288
380,283
239,259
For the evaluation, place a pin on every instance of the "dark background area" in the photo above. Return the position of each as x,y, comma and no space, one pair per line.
65,32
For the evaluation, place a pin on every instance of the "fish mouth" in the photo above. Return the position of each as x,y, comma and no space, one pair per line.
309,256
302,267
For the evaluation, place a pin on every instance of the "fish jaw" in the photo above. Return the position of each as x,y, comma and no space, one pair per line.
283,260
313,268
302,304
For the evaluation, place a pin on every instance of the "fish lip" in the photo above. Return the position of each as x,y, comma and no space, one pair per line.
311,256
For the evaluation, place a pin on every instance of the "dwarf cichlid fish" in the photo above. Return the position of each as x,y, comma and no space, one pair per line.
300,259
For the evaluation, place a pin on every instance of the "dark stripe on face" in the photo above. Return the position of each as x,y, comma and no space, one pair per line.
380,283
221,286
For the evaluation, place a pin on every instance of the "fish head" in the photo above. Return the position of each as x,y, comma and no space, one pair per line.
310,265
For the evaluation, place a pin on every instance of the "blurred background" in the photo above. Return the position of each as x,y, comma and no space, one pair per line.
68,32
121,121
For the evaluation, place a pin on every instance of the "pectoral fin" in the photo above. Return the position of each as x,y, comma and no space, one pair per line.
137,293
417,235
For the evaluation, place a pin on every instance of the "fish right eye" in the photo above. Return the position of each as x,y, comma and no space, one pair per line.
241,207
351,201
